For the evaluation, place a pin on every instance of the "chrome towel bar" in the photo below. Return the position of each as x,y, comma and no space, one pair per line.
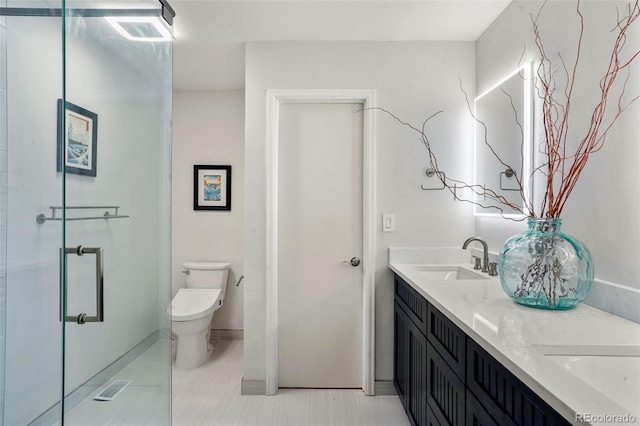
42,218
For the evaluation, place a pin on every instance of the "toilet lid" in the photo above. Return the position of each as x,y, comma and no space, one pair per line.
206,265
193,303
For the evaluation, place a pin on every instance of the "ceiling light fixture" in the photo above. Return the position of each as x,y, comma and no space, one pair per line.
140,28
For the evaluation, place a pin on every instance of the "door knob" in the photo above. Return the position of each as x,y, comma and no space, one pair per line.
354,261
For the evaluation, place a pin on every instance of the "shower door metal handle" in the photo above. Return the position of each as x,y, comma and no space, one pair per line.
83,318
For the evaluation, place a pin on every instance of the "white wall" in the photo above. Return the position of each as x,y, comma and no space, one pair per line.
412,79
131,116
208,128
603,209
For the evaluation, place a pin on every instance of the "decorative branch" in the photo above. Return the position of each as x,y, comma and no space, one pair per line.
453,185
561,170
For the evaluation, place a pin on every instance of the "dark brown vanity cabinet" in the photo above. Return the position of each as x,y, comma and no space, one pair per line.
444,378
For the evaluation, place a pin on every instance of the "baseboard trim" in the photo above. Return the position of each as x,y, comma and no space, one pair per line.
259,387
52,415
253,387
385,388
226,335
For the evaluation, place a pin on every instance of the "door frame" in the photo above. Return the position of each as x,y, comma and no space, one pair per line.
275,98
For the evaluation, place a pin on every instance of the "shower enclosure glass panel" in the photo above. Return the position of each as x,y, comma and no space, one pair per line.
32,66
84,213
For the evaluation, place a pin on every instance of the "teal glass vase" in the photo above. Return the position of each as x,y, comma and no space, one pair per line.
545,268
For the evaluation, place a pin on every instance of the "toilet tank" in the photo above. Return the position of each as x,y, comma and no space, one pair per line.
208,275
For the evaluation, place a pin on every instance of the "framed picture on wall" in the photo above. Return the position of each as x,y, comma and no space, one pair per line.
77,139
211,187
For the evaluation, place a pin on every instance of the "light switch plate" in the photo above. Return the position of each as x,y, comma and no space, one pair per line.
388,223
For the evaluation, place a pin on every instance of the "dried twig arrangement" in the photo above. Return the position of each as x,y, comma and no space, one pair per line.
561,170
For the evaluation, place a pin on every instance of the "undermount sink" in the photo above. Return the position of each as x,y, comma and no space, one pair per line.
589,350
448,272
612,369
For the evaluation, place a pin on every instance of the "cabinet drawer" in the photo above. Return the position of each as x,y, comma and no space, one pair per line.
412,302
445,391
503,395
448,340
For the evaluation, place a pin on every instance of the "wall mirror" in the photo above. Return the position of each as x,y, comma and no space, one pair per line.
503,145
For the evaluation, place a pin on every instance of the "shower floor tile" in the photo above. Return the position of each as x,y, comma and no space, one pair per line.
143,402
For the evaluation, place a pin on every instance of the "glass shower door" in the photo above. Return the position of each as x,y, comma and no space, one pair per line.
31,74
84,212
115,153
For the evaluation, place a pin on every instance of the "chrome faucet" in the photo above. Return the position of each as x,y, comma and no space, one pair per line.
485,249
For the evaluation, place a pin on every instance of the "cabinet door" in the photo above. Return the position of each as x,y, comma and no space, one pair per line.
432,420
503,395
417,391
445,391
400,353
476,414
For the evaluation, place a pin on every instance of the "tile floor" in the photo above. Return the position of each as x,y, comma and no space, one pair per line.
210,396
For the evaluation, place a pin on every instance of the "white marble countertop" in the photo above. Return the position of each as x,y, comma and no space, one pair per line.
581,362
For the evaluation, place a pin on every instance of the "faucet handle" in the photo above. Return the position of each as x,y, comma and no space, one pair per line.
493,269
477,264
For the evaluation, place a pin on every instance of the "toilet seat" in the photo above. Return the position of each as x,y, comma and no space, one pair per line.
193,303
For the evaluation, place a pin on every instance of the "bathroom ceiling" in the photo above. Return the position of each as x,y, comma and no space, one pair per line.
210,34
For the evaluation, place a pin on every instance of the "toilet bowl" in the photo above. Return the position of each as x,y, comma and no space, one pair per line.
191,313
192,309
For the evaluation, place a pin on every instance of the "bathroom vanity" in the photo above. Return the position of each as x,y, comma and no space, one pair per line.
464,353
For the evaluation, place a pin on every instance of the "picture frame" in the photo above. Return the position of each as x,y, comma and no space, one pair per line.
77,140
211,187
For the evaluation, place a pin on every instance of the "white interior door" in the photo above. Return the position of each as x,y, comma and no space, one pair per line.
320,227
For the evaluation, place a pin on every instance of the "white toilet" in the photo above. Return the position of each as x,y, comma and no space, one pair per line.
192,309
